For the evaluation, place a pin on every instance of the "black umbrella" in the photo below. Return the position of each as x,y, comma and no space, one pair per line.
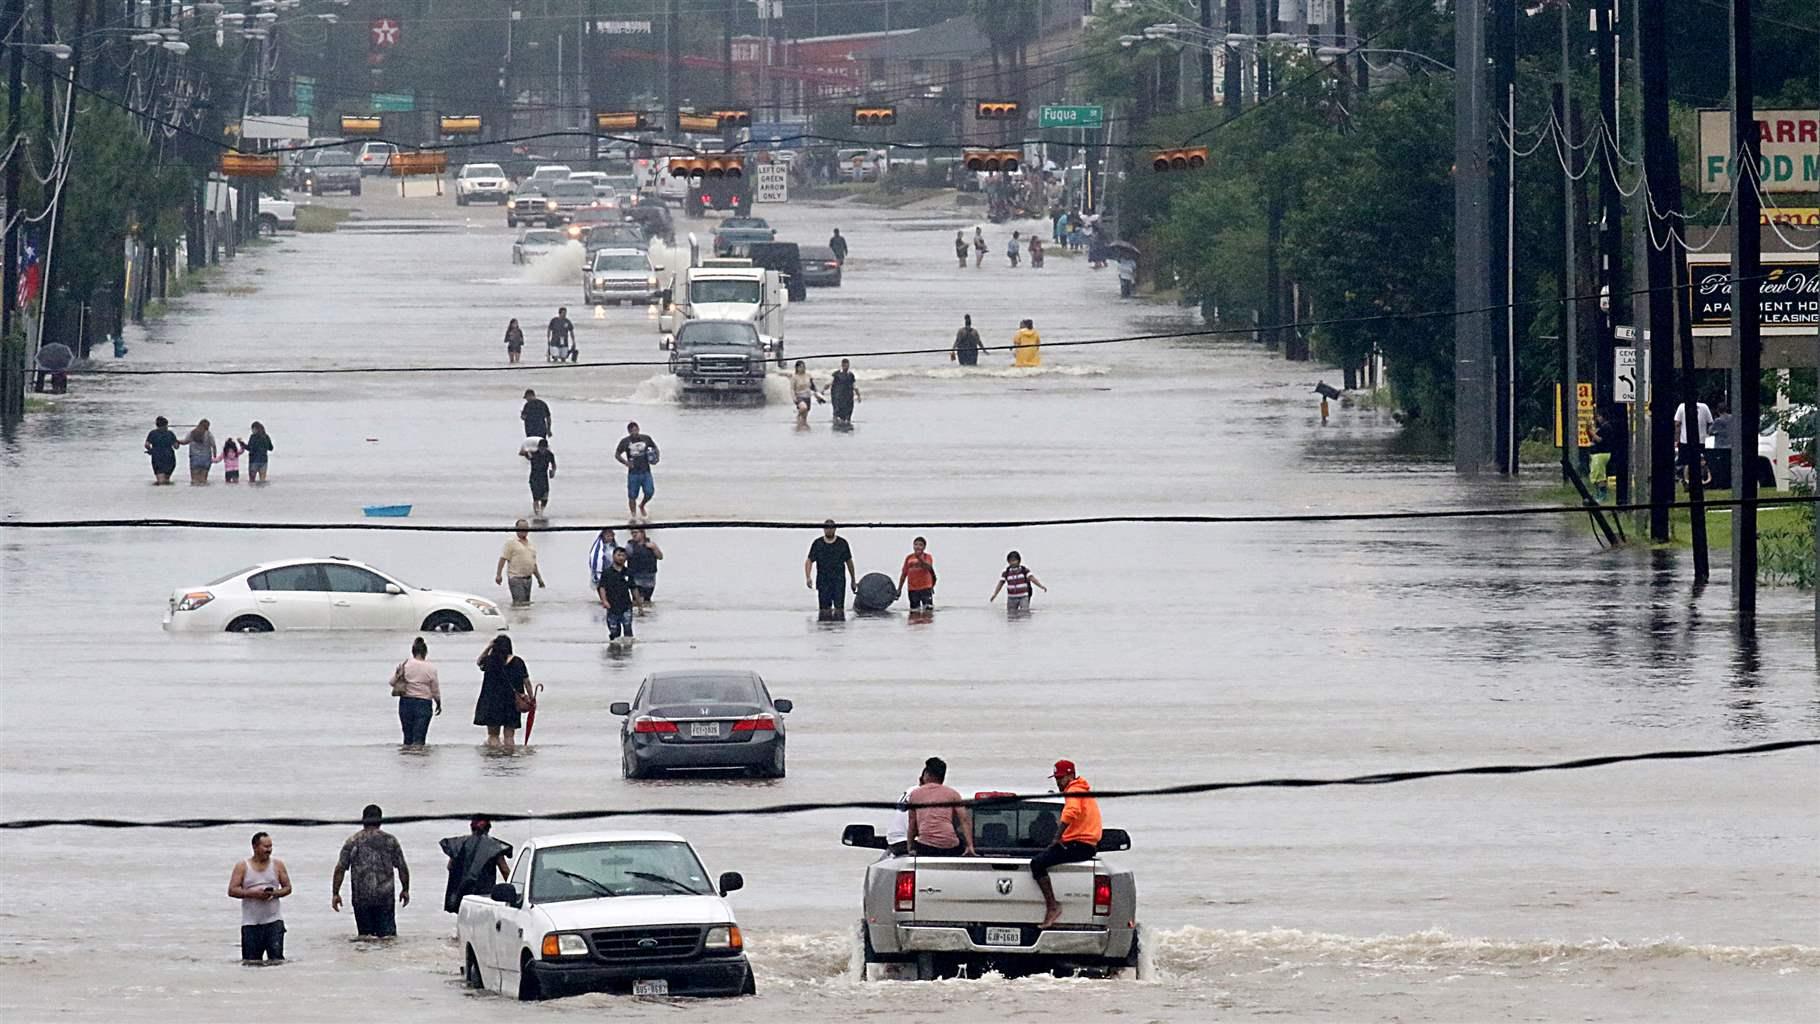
55,357
1127,249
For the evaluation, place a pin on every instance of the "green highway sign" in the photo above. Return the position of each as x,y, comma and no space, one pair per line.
396,101
1071,117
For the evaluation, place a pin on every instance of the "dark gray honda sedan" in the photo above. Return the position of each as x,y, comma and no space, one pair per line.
702,719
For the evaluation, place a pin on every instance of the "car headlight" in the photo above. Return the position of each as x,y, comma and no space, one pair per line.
723,937
483,607
650,280
549,204
564,944
193,600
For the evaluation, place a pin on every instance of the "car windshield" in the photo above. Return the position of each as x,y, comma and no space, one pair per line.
723,291
704,334
1031,826
591,870
705,689
482,171
334,159
620,261
572,190
545,237
229,576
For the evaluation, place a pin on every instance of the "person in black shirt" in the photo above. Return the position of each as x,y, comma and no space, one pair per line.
832,561
967,344
642,556
638,453
839,245
536,415
843,391
258,453
616,586
562,338
543,467
161,444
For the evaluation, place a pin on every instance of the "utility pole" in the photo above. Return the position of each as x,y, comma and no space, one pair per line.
726,55
1747,271
1661,252
1207,53
1474,401
1611,239
1235,80
1503,199
55,220
1570,307
15,85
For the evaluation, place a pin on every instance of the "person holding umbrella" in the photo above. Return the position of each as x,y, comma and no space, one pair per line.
505,693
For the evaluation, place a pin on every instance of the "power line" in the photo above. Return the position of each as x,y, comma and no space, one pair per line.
1209,519
807,807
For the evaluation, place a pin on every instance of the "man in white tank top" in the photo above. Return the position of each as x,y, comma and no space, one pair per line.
259,882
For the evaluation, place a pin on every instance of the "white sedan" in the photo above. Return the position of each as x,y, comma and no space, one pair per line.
323,593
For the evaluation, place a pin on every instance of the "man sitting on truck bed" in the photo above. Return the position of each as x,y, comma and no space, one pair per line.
938,831
1079,841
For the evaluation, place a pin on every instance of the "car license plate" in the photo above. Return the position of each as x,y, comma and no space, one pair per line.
710,729
1004,937
659,987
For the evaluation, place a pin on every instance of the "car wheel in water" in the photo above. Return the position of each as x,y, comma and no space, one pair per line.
447,622
470,972
750,987
528,991
268,225
775,770
249,624
629,766
460,200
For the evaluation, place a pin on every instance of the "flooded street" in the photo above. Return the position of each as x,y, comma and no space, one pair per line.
1160,655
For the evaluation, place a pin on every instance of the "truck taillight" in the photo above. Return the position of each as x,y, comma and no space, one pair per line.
906,890
1102,895
648,724
756,723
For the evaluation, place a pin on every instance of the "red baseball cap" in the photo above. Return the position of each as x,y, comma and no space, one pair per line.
1062,767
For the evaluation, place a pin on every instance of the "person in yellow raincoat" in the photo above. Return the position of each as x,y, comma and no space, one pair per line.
1026,345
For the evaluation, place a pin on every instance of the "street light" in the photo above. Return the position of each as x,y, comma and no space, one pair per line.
1343,51
59,51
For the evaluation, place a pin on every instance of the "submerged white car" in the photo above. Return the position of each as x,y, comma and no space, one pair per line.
631,913
323,593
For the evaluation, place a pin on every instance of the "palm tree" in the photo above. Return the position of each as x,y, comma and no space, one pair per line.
1009,26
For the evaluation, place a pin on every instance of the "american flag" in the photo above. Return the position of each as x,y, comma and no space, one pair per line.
31,274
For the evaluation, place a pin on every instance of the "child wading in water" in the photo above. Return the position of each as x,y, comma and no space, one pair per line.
230,461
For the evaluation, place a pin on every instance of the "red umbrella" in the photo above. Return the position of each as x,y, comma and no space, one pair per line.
531,715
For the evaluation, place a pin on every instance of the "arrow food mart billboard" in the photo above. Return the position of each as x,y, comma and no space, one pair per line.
1790,141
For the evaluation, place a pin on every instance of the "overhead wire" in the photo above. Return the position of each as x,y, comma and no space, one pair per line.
1386,778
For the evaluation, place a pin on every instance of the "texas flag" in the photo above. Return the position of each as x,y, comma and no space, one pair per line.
31,274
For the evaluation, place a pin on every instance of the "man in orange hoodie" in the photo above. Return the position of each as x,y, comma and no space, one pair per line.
1079,839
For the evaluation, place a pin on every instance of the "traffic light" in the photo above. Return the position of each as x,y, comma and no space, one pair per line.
1191,159
874,117
734,118
698,123
459,124
360,124
998,110
235,164
700,168
992,159
620,121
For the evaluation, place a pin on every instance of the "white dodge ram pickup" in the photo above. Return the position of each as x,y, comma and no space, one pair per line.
963,916
623,912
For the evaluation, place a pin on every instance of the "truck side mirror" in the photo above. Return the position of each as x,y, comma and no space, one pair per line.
731,881
621,708
863,836
507,893
1113,840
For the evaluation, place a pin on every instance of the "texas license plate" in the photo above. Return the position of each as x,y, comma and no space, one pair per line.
659,987
1004,937
709,729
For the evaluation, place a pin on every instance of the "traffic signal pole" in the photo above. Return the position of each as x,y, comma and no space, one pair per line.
1475,402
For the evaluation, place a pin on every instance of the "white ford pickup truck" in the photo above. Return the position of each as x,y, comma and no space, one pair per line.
629,913
943,917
